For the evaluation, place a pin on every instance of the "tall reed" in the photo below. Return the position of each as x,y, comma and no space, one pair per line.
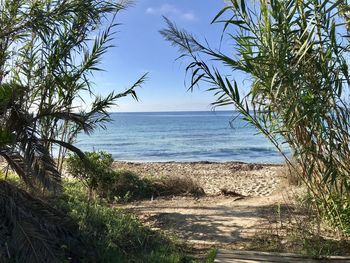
294,54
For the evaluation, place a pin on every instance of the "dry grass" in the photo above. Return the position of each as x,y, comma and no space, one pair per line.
291,173
177,185
297,228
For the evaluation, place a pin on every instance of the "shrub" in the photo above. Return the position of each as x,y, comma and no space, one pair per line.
291,173
337,212
96,168
177,185
298,228
124,185
98,176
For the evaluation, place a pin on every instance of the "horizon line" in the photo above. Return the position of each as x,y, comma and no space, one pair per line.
172,111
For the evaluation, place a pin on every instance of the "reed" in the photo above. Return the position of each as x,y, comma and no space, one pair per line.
49,51
294,54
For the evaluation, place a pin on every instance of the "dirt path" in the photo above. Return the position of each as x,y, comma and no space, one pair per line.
217,220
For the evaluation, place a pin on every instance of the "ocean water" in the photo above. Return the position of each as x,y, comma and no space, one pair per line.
180,136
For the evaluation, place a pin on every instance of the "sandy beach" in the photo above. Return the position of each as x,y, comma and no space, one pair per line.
242,178
215,219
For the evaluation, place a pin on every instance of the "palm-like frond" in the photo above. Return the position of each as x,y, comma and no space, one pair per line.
32,231
56,55
47,57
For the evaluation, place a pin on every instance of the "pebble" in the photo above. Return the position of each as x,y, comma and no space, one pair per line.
245,179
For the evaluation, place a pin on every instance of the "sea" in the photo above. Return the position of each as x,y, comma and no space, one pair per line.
214,136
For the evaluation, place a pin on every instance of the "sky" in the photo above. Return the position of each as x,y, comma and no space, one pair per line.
140,48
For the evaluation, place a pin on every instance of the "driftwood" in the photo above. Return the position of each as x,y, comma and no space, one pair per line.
227,192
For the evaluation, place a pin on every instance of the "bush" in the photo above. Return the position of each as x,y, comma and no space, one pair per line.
299,228
291,173
337,212
177,185
123,185
98,176
96,168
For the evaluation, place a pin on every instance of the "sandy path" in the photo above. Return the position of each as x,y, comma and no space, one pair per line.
216,220
220,221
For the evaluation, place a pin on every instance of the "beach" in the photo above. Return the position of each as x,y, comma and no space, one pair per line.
238,201
243,178
215,219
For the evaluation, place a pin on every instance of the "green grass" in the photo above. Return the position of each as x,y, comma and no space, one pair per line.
299,242
12,178
114,234
211,255
111,234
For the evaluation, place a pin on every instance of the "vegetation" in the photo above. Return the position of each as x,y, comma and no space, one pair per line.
212,255
48,52
112,234
33,231
47,56
105,234
120,185
176,185
106,182
295,55
296,228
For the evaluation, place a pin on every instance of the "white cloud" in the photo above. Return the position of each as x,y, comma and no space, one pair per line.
189,16
167,9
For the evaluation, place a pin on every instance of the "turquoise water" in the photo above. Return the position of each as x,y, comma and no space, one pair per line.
180,136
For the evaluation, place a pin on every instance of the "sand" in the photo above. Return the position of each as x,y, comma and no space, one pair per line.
215,220
242,178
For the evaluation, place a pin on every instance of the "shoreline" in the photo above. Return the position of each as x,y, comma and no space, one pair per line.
195,162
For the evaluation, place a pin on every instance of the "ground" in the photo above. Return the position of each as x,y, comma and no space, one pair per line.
215,220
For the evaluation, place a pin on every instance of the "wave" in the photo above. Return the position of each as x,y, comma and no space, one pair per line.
190,136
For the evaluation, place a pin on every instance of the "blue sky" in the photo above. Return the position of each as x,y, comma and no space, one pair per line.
140,49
